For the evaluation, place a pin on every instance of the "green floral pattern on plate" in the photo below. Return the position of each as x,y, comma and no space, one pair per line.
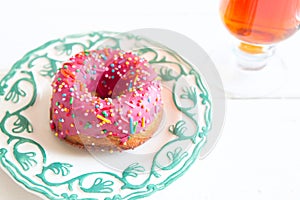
21,153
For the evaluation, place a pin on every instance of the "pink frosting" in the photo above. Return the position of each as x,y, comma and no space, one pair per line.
104,92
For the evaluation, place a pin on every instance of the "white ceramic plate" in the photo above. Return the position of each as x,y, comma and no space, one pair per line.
52,169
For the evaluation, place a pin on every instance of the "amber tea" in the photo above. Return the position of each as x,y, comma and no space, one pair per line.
261,21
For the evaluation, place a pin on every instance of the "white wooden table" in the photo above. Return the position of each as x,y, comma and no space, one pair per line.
257,156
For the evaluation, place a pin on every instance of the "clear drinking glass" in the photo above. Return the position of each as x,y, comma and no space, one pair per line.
258,26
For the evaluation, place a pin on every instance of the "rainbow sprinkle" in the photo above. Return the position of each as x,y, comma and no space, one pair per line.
131,125
103,119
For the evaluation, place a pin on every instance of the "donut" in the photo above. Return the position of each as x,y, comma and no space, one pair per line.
106,99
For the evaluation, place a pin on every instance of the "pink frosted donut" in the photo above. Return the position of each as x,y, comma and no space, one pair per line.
106,99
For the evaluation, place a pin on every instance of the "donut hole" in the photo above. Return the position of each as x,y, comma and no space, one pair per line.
123,73
109,86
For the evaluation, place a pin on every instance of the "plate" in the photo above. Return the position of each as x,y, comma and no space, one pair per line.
52,169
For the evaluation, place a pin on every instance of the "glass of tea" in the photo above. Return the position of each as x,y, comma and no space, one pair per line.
258,26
